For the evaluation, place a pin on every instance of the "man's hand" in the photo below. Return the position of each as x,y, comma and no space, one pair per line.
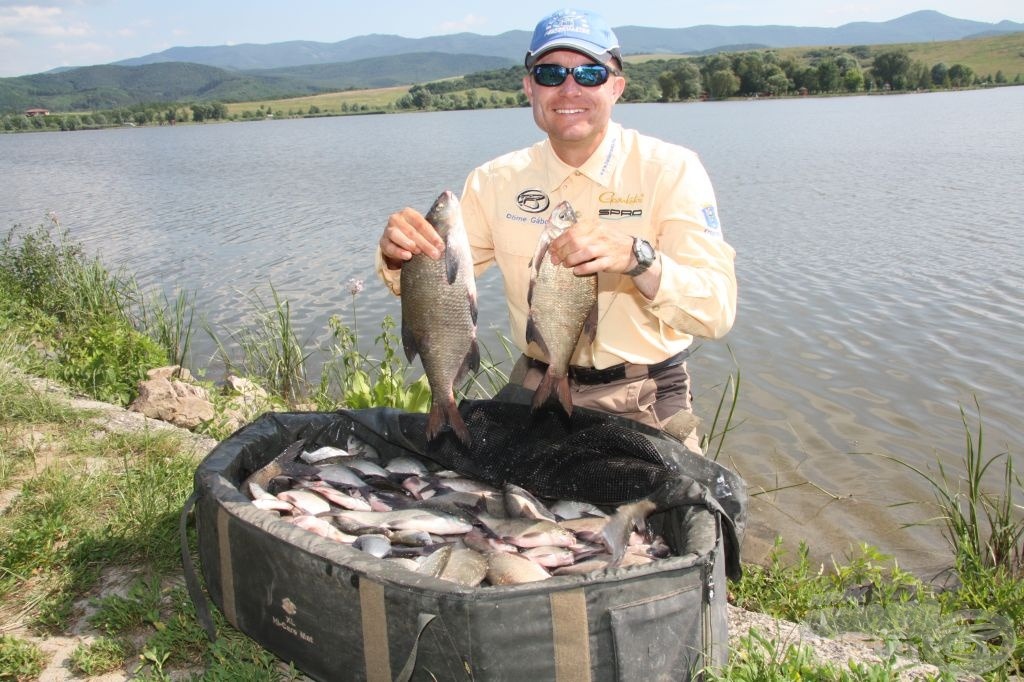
590,249
408,233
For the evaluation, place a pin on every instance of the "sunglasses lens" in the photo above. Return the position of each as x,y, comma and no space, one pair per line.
550,75
588,75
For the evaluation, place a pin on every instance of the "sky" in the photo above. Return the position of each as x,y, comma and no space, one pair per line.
39,36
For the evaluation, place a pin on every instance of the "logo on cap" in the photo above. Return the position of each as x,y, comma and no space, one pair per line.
577,30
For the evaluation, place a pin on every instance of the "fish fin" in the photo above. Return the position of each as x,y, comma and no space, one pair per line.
473,308
409,342
451,262
533,335
471,361
590,324
615,534
292,452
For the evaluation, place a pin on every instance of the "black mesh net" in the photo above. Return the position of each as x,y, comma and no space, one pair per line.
584,457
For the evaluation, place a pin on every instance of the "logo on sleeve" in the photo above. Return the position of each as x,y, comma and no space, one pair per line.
711,219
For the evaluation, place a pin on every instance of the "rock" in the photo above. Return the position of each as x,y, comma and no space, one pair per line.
248,400
173,400
171,372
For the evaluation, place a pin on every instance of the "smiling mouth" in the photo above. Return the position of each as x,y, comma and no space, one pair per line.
569,111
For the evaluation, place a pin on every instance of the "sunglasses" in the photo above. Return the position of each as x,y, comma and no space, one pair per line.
587,75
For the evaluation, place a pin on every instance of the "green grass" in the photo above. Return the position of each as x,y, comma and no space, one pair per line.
20,660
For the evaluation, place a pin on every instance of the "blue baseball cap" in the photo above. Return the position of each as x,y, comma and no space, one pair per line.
577,30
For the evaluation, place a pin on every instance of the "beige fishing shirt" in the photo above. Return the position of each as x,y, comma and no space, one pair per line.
633,183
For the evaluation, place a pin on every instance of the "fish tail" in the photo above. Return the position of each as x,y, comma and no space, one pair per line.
447,412
552,384
616,532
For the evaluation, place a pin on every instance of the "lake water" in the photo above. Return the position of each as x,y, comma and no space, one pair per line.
879,245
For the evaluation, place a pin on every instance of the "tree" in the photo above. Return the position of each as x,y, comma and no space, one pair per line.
669,86
688,80
960,76
778,83
750,68
828,76
940,75
891,67
723,83
853,80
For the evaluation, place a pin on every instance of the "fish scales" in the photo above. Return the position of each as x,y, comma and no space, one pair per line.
439,313
563,309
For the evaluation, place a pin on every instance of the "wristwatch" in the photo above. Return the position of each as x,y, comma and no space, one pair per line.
644,254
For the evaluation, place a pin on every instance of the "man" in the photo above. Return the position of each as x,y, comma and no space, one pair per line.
648,227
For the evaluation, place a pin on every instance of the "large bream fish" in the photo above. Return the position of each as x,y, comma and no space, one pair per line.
439,316
563,308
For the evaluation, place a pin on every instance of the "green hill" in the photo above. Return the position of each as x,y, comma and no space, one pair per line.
111,86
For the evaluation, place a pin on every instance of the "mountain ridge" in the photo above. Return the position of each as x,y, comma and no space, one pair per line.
919,26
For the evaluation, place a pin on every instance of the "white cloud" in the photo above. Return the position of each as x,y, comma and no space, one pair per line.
35,20
470,22
27,18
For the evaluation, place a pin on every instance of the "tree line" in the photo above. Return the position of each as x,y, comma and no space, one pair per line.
138,115
753,73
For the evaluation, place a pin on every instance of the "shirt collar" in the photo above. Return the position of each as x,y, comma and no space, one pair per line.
598,168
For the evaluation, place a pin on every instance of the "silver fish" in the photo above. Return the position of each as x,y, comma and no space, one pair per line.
574,509
320,526
527,532
375,544
341,475
563,310
357,447
324,454
407,466
439,312
305,500
520,503
459,565
335,496
550,557
365,467
505,568
409,519
261,499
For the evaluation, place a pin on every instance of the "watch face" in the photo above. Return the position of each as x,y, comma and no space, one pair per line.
644,251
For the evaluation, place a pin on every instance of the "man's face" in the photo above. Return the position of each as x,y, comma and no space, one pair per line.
574,116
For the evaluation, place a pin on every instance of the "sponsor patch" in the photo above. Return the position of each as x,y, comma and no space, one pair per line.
711,218
620,213
533,201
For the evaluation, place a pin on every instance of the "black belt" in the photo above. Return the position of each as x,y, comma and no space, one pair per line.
592,375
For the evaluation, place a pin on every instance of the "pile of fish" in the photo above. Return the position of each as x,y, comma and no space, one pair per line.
437,522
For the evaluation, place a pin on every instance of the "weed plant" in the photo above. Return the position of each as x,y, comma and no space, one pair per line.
985,532
20,660
50,288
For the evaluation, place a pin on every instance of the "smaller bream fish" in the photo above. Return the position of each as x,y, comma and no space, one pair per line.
563,309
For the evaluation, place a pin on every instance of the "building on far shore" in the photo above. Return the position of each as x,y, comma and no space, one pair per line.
37,112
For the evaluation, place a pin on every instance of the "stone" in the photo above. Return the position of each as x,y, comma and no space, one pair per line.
173,400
